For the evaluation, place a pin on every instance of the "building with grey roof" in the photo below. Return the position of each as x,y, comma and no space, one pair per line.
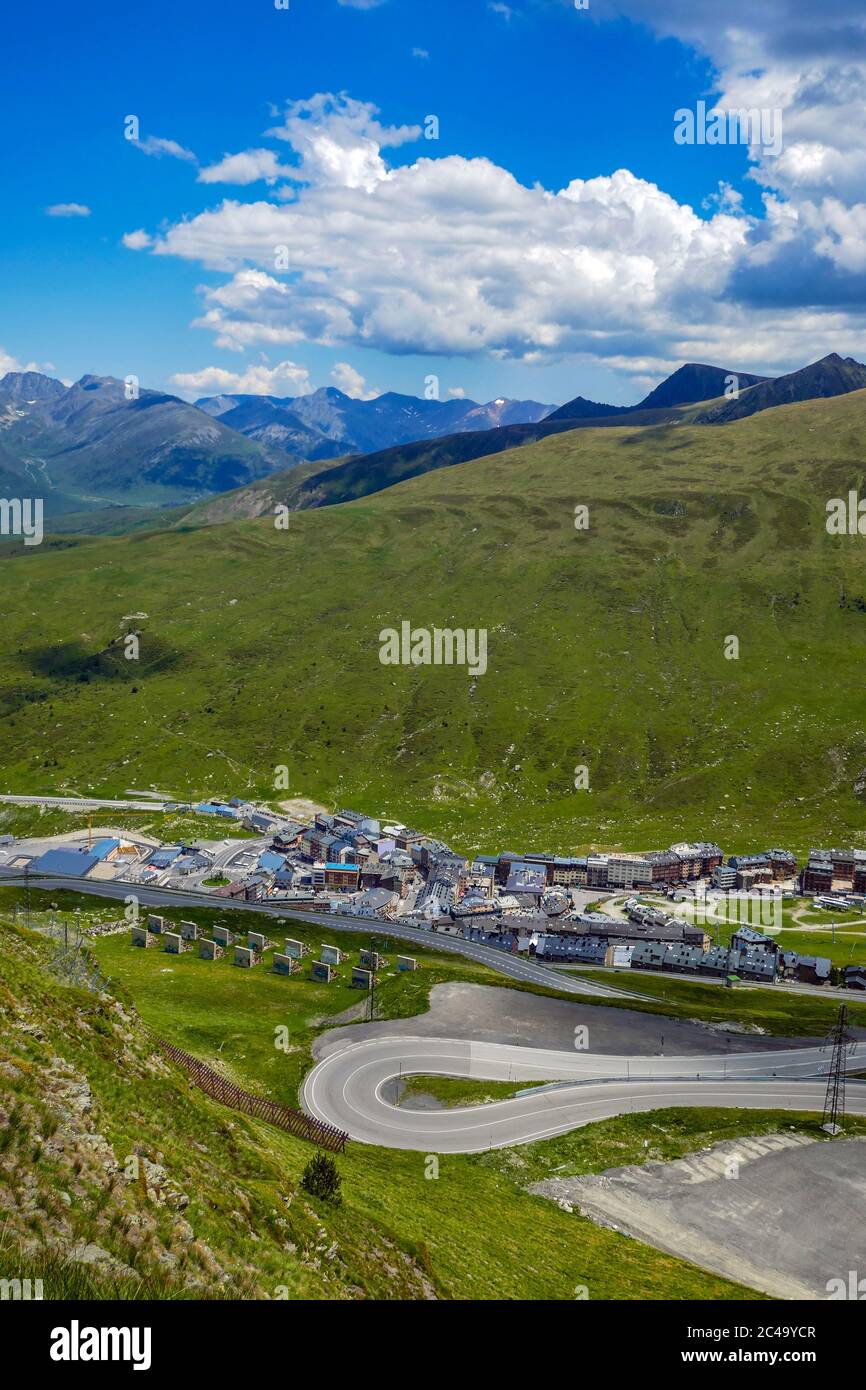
648,955
716,961
748,938
754,963
66,863
591,950
671,929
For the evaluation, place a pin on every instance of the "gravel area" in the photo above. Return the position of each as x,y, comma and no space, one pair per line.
485,1013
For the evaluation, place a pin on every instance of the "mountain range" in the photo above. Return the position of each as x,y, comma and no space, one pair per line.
103,461
97,445
692,382
87,445
678,401
327,423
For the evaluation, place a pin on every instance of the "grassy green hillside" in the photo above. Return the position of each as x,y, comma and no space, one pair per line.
606,646
117,1178
329,483
213,1207
259,498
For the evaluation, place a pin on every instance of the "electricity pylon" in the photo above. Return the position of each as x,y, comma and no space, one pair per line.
834,1101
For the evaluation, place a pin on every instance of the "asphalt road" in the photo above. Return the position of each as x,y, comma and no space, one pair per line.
347,1089
513,967
81,803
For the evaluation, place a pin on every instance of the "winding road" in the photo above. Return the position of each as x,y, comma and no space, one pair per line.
347,1089
347,1086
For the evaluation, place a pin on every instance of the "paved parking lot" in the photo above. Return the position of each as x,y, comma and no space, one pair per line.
784,1214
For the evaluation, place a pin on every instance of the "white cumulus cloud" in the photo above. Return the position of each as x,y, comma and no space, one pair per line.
339,140
284,379
454,256
247,167
351,382
809,62
138,240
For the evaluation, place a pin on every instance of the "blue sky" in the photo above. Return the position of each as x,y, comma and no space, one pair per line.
599,294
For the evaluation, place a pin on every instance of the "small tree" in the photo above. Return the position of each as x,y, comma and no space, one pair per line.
321,1178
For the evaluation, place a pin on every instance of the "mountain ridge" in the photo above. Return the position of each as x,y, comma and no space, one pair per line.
359,476
830,376
689,384
328,423
94,452
101,441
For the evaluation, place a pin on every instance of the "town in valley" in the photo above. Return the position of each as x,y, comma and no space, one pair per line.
661,910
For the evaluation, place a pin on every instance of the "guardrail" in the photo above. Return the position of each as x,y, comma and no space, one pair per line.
227,1093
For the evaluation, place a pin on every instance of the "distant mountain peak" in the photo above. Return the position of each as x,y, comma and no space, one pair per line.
582,409
90,379
832,375
694,382
18,387
389,396
326,423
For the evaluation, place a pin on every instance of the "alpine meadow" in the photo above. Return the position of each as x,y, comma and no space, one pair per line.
606,644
